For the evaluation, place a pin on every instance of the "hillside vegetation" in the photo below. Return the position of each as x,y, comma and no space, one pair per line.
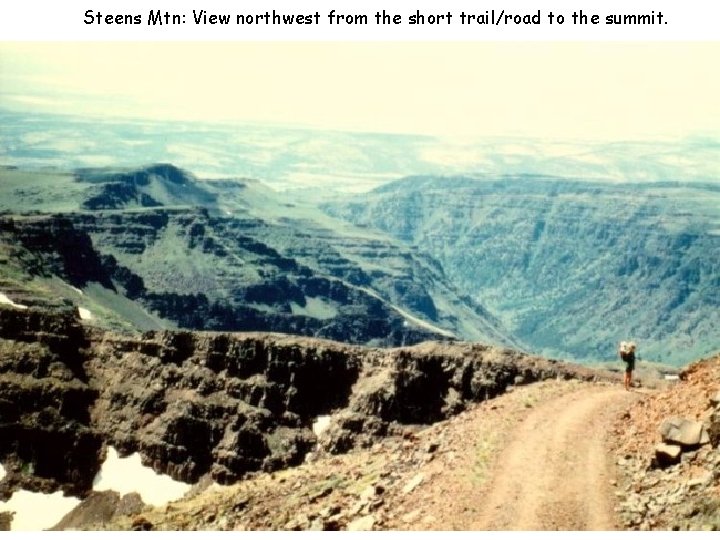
570,267
158,248
558,267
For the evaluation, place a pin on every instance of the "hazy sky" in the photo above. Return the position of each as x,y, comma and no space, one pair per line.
551,90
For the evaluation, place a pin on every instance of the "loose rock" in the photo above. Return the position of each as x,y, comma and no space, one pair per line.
681,431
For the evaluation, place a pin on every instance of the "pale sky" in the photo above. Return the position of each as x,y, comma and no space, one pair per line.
592,91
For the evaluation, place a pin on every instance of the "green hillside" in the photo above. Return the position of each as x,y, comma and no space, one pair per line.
570,267
158,247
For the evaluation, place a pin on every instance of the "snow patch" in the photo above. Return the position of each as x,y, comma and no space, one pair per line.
85,313
126,475
5,300
37,511
315,308
320,424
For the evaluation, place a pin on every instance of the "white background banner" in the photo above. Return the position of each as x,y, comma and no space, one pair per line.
336,20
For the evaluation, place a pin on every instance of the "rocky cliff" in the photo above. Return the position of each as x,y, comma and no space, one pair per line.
227,255
47,441
219,404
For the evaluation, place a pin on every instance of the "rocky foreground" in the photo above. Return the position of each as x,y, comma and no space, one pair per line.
433,477
415,433
442,477
216,405
668,455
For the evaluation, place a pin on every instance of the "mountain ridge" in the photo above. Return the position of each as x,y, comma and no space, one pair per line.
561,267
230,255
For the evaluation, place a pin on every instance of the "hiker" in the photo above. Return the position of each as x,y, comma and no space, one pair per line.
627,354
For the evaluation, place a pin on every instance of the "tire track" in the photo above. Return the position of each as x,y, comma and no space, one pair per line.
555,473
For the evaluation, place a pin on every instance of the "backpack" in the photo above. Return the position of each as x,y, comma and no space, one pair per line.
627,353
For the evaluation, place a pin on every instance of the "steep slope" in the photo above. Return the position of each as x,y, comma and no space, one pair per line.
571,267
656,491
157,248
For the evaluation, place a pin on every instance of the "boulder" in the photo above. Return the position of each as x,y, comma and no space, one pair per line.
6,521
681,431
667,454
99,507
130,504
141,523
413,483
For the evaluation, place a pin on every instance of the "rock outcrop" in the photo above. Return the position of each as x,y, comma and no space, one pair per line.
670,462
197,403
98,508
224,405
686,433
46,437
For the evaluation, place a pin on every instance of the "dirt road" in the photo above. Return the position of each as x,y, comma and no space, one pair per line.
555,473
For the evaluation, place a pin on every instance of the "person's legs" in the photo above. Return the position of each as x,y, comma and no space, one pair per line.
629,372
628,378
